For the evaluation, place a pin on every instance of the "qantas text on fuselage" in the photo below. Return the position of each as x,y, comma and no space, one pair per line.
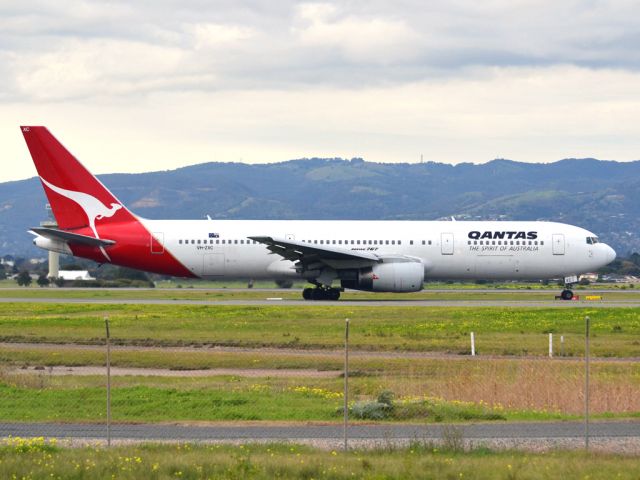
392,256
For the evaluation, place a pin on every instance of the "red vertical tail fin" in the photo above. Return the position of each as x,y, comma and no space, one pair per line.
77,198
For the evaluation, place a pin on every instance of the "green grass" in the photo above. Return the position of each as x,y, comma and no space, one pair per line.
424,392
39,459
514,331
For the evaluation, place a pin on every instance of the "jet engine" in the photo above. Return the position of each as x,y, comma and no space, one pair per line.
395,276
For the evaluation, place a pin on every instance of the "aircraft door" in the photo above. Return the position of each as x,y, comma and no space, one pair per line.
157,243
558,243
446,243
214,264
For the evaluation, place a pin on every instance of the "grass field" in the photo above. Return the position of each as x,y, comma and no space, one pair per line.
513,331
310,337
426,390
39,458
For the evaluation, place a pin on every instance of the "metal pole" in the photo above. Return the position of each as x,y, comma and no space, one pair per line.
473,345
346,382
106,323
586,383
551,345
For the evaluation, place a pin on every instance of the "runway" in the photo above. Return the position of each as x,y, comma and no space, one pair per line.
522,431
284,432
632,303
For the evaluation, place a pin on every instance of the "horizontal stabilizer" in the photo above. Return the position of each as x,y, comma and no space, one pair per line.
69,237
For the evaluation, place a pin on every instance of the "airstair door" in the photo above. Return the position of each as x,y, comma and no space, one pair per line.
558,243
446,243
213,264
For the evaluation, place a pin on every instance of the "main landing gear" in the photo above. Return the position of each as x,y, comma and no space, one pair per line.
321,293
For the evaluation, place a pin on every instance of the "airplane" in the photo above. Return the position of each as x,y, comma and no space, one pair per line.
377,256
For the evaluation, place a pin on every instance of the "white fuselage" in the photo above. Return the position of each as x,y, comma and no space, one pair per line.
217,249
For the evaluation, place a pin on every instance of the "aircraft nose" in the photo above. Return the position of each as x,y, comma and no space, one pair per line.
609,254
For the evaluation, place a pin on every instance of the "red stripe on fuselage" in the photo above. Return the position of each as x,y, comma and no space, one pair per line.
132,249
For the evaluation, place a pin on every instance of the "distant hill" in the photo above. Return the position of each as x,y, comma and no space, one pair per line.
602,196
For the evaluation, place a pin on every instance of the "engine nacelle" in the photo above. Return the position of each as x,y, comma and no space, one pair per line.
52,245
386,277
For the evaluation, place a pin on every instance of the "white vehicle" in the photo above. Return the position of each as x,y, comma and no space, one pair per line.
378,256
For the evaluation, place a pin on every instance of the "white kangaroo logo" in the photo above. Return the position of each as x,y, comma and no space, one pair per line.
93,208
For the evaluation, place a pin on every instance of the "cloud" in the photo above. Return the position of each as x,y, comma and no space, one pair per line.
212,35
144,47
376,40
457,80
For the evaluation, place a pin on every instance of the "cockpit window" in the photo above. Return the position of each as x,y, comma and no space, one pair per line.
592,240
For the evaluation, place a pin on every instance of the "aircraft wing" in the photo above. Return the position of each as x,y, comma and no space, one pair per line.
309,254
70,237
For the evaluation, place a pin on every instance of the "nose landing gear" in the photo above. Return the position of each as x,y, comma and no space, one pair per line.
566,294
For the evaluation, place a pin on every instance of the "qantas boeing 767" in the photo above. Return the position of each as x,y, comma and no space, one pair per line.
379,256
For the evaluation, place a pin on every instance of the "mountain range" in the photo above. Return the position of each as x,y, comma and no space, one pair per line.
602,196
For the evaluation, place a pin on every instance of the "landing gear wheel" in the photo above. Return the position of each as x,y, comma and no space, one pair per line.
321,293
566,294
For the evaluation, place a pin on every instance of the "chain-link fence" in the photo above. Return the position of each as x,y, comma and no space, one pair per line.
238,393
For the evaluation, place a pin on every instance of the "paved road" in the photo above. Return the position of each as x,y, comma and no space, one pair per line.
344,303
529,430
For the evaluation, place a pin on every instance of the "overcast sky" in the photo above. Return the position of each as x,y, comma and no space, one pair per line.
150,85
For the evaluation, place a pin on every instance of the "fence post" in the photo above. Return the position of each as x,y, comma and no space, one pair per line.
106,324
562,345
587,322
346,382
551,345
473,345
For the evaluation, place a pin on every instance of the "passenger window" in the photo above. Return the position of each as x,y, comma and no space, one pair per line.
475,242
541,242
180,242
429,242
198,242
